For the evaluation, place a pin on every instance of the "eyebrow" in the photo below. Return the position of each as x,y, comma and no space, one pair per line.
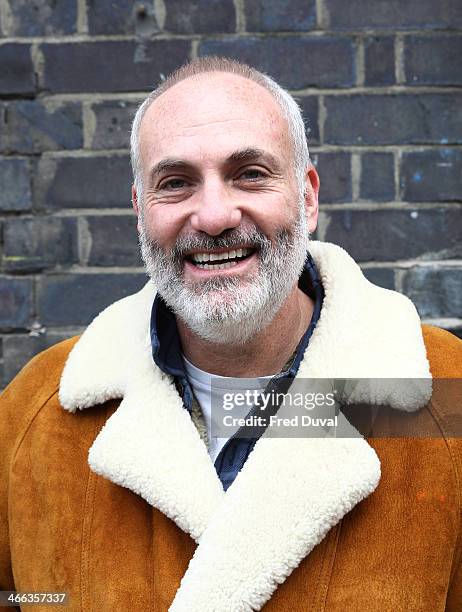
168,164
248,154
251,154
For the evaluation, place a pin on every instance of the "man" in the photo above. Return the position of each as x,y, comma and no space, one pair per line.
165,515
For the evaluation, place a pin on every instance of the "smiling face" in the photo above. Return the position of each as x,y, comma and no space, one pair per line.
222,222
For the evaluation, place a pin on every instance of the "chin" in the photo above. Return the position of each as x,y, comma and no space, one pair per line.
226,323
223,332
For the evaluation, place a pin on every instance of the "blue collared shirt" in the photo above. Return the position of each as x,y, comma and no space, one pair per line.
167,354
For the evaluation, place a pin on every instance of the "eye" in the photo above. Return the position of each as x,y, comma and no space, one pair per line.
252,174
173,184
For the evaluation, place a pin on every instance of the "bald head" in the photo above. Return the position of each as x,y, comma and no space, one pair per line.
201,94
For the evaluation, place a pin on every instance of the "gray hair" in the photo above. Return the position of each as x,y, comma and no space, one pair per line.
289,106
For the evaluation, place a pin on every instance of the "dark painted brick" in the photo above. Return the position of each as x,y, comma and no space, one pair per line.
16,69
112,16
114,241
294,61
110,65
432,175
3,136
41,17
433,60
386,235
456,330
37,243
76,299
393,119
16,295
310,111
435,292
33,127
274,15
383,277
15,192
395,14
83,182
379,60
201,16
335,174
113,123
19,349
145,20
377,177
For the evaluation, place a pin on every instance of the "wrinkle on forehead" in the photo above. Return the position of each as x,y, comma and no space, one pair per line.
215,122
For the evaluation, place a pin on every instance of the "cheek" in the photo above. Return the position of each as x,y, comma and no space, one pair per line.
163,224
279,213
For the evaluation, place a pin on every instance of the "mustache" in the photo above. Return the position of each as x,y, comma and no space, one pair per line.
251,237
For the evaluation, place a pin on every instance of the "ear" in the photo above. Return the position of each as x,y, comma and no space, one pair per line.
135,204
311,197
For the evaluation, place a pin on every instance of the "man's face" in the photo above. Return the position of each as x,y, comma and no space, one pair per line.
222,222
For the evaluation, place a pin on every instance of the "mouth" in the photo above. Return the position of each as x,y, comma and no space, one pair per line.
219,259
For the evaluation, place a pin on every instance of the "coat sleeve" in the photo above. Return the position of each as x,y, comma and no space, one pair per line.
19,403
8,435
444,352
454,597
13,420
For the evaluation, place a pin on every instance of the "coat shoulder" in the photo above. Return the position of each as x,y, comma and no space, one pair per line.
35,383
444,352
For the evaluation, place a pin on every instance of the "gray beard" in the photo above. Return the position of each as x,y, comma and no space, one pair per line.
229,310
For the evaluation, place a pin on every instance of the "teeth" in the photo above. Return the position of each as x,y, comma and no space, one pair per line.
201,257
229,264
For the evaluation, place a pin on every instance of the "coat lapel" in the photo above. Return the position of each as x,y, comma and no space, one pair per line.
291,491
288,495
149,444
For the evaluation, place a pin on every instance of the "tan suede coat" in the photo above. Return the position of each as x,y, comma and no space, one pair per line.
120,536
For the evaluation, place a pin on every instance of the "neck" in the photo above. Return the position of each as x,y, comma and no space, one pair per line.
264,354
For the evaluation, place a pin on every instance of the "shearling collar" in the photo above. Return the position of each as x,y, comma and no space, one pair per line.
151,446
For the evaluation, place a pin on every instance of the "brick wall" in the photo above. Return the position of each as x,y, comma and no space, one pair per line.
380,83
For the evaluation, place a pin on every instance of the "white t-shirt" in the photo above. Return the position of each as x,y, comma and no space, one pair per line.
201,383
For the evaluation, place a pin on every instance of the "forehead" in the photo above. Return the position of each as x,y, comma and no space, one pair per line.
213,114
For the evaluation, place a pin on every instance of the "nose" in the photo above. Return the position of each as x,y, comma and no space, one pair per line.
216,210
